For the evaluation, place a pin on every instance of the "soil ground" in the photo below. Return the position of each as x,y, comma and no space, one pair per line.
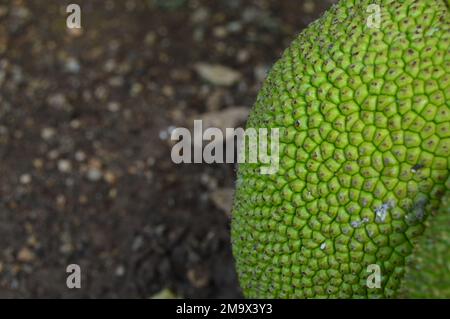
85,169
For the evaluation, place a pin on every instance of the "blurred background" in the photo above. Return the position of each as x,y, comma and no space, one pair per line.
85,119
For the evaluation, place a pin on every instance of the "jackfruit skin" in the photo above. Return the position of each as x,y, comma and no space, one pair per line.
428,267
364,121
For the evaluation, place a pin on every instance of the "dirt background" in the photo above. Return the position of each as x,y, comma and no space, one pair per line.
85,119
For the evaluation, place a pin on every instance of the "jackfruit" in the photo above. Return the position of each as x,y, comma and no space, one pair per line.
361,99
428,267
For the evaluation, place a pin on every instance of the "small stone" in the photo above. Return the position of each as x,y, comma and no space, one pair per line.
18,134
82,199
137,243
199,34
113,193
217,74
198,279
38,163
251,14
200,15
150,38
261,72
25,255
120,271
166,293
25,179
75,124
151,161
116,81
109,65
215,100
61,201
167,133
230,117
64,166
136,89
3,130
220,32
234,26
94,174
66,248
168,91
72,65
308,6
180,75
53,154
163,135
243,56
80,156
57,100
109,177
3,11
74,32
47,133
113,107
101,92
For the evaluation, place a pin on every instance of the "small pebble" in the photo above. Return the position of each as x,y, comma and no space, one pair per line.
94,174
120,271
80,156
25,179
113,107
25,255
64,166
47,133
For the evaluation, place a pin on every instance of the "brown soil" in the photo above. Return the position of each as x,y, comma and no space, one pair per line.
85,169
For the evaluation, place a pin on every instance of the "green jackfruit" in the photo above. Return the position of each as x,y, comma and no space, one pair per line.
428,267
362,105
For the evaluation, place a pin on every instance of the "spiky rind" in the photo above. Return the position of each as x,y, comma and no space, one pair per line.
364,121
